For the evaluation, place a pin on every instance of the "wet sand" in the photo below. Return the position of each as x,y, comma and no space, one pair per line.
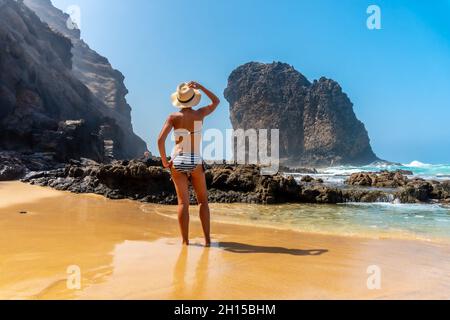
124,252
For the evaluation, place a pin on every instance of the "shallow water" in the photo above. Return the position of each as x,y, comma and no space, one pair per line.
378,220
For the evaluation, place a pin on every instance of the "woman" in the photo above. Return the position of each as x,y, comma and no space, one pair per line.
186,163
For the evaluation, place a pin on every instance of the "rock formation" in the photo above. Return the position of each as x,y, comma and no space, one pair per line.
148,182
94,71
316,120
44,108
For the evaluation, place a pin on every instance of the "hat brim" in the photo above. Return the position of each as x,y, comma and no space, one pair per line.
194,102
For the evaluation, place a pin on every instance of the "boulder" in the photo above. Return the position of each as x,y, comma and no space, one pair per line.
384,179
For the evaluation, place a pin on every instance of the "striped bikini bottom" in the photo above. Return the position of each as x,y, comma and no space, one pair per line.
187,162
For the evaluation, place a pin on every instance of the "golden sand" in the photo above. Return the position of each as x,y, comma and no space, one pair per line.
124,252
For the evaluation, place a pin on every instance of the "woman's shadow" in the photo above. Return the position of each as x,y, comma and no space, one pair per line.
235,247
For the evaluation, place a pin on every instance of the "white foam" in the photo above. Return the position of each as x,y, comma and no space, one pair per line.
417,164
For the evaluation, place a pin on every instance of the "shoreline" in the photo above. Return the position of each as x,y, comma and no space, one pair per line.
230,220
285,227
124,253
50,193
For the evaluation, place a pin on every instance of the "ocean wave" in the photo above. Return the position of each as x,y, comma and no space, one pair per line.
418,164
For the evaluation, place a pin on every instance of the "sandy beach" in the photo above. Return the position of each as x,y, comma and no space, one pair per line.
124,252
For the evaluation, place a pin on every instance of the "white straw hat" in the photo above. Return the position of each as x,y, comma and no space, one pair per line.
186,97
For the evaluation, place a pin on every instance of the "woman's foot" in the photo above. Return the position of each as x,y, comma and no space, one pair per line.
208,243
185,242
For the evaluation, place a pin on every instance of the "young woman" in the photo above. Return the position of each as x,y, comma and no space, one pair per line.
187,164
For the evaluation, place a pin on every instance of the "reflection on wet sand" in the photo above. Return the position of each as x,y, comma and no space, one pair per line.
181,286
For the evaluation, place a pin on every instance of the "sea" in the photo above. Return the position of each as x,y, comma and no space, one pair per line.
427,222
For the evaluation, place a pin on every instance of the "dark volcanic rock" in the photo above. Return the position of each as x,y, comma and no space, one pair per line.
13,165
416,191
298,170
368,195
43,106
385,179
11,168
140,181
316,120
321,194
147,181
96,73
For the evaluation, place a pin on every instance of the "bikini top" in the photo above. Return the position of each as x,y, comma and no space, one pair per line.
184,132
185,143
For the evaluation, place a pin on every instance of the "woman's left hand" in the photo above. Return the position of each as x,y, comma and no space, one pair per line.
194,85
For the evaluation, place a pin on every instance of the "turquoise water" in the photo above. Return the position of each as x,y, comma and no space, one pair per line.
378,220
430,222
337,175
421,221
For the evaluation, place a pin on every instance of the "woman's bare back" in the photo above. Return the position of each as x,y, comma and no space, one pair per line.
187,119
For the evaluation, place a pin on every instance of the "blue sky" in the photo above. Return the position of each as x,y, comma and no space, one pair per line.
398,78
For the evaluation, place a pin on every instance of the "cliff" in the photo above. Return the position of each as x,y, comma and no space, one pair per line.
44,108
95,72
317,124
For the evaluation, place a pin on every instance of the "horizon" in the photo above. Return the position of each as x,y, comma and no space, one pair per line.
380,70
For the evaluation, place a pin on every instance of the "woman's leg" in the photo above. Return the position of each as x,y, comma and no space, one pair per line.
201,190
182,187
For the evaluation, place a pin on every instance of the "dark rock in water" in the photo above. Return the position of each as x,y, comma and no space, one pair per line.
385,179
316,120
44,107
416,191
307,179
405,172
321,194
368,195
298,170
441,190
403,189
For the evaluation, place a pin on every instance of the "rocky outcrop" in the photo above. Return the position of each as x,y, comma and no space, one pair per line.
316,120
384,179
406,190
96,73
148,182
13,165
44,108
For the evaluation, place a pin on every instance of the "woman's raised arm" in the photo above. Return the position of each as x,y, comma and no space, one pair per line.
206,111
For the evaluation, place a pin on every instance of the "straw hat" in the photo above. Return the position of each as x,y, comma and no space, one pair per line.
186,97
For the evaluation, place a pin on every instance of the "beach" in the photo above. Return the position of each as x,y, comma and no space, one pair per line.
127,250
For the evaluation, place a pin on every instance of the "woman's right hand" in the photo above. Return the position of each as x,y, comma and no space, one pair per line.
167,164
